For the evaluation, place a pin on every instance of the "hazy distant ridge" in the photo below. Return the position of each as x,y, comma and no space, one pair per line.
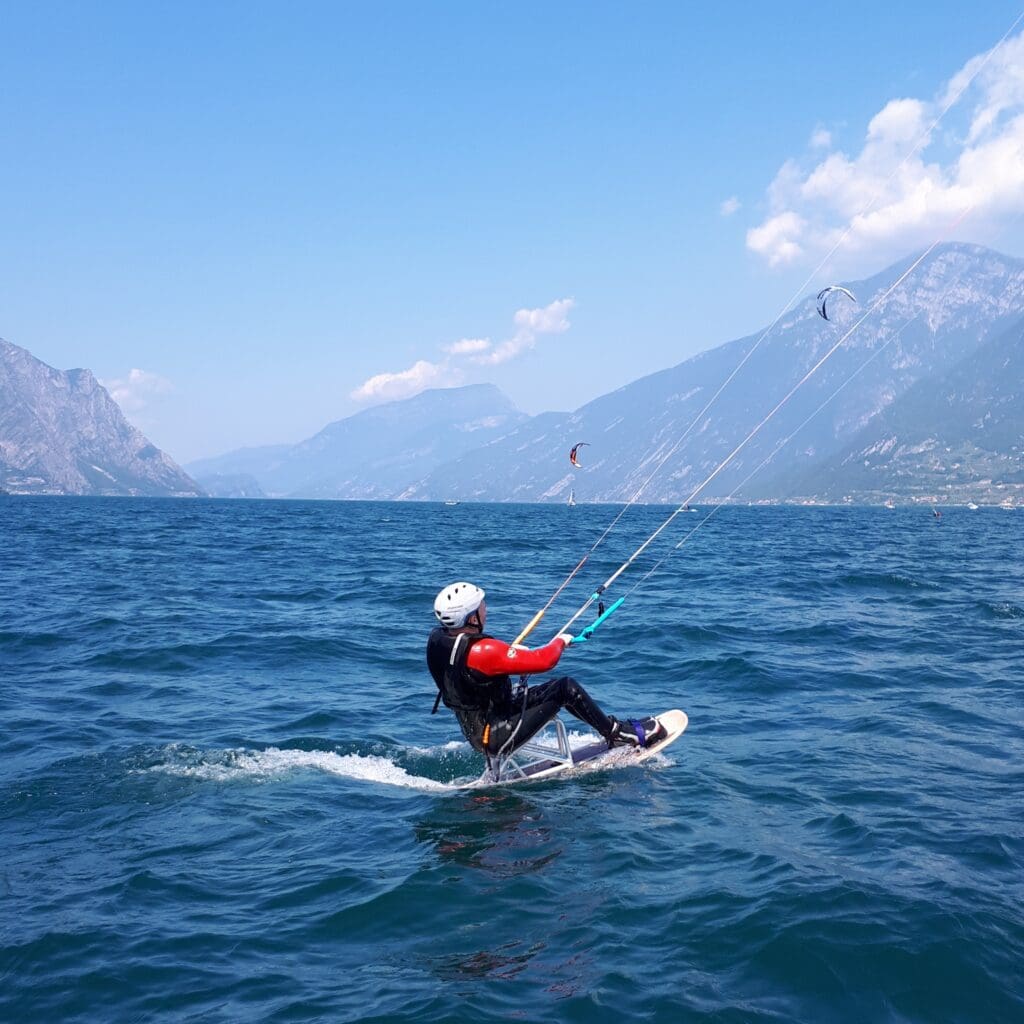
376,453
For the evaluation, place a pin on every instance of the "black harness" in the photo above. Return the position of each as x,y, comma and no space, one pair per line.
476,699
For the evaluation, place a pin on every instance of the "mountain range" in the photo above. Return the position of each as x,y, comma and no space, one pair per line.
923,398
931,363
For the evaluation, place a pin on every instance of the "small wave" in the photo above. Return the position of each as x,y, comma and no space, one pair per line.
264,765
311,596
316,720
29,640
841,829
891,581
1002,610
282,648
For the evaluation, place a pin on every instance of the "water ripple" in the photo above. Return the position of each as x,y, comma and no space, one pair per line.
223,797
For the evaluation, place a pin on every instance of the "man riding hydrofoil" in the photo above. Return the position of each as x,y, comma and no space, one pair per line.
473,675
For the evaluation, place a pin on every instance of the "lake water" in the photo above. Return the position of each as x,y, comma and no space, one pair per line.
223,798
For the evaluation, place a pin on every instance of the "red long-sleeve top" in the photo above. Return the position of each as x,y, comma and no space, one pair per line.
496,658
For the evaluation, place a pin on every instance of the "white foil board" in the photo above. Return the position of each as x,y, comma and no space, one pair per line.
594,755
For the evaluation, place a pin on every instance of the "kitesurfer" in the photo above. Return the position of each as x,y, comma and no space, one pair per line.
473,672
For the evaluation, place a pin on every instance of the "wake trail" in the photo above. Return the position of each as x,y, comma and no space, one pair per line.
274,763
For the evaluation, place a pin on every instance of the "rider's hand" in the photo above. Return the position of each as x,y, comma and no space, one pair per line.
566,638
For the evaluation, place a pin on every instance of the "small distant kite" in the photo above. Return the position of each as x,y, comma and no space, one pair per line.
575,449
826,293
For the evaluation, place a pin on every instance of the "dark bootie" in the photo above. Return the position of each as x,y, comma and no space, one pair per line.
635,732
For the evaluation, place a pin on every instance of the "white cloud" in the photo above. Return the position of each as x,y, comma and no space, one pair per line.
821,138
134,392
898,122
907,182
549,319
530,323
405,383
1000,75
729,206
467,346
775,238
505,351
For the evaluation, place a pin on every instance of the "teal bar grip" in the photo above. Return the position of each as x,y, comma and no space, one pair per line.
587,630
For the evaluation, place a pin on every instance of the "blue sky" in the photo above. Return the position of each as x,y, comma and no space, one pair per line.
250,219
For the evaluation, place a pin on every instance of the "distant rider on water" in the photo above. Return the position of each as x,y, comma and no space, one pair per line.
472,671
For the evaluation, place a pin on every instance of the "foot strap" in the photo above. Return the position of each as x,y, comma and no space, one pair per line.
639,729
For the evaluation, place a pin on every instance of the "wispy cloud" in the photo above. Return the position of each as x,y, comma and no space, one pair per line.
467,346
530,323
729,206
821,138
550,319
891,198
450,371
134,392
388,386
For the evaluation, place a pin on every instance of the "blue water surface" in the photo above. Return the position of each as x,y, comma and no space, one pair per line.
223,798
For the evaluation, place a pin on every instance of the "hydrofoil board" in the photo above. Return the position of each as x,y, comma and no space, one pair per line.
546,755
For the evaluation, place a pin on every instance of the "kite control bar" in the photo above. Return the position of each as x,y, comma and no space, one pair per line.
585,633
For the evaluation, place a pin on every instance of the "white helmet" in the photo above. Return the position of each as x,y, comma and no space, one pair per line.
456,603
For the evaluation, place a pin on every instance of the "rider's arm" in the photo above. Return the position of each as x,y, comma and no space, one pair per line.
496,658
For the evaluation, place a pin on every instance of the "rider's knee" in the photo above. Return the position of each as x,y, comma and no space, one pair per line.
569,689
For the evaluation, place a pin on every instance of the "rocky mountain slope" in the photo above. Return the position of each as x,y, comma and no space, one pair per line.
960,297
955,438
61,433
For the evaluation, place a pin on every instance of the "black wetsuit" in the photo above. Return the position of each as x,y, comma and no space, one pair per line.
490,711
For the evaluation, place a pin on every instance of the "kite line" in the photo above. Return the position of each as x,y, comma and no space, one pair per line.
919,143
596,596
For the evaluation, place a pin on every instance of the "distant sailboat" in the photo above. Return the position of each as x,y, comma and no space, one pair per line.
971,505
889,503
572,498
